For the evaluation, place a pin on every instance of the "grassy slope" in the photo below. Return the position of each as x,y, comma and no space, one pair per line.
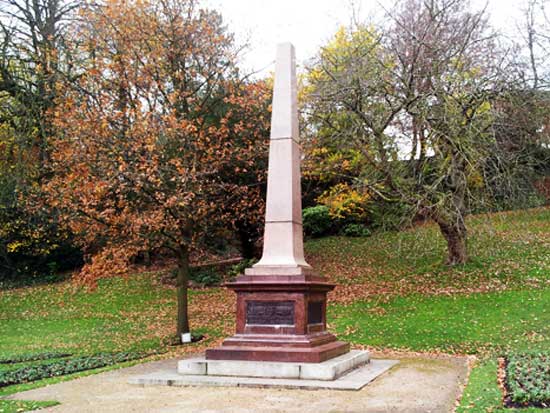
476,323
506,250
394,292
122,314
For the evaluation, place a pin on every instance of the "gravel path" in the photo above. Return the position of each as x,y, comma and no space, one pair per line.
419,384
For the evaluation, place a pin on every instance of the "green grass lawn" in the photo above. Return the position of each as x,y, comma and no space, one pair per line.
14,406
62,318
395,293
134,314
486,324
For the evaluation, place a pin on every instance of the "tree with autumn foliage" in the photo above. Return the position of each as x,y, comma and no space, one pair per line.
159,138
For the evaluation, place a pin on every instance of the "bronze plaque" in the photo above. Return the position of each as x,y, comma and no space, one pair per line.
270,312
315,312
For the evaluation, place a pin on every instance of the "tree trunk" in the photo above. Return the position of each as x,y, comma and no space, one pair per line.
181,284
147,258
246,237
455,235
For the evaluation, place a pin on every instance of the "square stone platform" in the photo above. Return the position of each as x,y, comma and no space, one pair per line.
327,370
351,371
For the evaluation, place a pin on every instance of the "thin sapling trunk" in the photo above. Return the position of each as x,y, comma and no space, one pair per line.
182,282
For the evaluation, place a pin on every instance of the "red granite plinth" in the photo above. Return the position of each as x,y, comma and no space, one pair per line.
280,318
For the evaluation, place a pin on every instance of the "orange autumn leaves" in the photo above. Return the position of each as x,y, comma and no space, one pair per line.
160,144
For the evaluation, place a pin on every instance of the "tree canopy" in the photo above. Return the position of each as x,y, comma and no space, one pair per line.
406,112
159,137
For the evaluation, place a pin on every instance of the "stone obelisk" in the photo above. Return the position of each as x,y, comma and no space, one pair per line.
281,301
283,251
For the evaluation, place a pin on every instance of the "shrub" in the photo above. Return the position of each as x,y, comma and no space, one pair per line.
317,221
63,367
528,379
33,247
345,204
239,268
205,276
355,230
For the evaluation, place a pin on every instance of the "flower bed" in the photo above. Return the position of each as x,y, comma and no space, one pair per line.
64,366
528,380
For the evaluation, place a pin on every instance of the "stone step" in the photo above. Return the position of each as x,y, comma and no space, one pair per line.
353,380
327,370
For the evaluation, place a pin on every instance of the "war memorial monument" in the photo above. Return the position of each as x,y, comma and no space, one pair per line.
281,334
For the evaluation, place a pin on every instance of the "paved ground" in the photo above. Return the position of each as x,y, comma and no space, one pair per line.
415,385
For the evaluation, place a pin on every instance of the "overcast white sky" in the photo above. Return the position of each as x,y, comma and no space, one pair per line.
308,24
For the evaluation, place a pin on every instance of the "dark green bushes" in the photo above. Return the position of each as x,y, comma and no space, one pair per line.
317,221
205,276
355,230
239,268
33,247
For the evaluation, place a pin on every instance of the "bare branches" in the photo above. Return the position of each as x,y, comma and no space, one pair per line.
415,97
536,31
31,61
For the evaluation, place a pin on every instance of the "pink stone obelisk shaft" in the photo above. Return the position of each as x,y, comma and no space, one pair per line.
283,250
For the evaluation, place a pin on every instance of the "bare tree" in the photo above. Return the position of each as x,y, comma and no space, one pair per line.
32,39
535,31
415,98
